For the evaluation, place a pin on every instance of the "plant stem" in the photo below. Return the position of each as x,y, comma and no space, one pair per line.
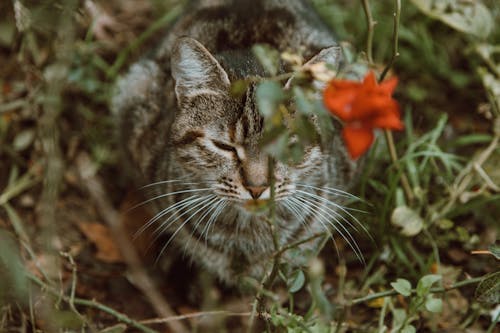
267,282
272,219
414,291
369,45
389,139
395,37
297,243
370,30
92,304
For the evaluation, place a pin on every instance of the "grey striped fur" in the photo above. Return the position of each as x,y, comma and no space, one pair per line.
198,147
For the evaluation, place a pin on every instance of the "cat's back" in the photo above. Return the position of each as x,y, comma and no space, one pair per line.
227,25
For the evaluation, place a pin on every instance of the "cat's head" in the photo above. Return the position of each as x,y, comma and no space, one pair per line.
216,135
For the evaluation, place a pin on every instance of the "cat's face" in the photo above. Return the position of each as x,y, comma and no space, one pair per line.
216,136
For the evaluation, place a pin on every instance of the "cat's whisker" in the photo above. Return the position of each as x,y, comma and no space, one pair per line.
210,211
293,208
214,205
167,195
335,205
208,201
187,203
165,225
328,217
304,210
342,209
349,238
330,190
214,217
159,215
307,206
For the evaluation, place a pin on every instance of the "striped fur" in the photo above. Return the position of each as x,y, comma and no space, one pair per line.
196,147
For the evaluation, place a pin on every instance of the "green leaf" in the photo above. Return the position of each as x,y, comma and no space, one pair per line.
296,152
302,103
305,129
66,320
398,317
409,329
269,95
471,17
14,282
406,218
402,286
278,148
495,250
16,222
268,57
425,283
434,305
488,290
296,281
271,136
23,140
238,88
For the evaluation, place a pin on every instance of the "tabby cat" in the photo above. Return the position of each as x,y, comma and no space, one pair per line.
196,146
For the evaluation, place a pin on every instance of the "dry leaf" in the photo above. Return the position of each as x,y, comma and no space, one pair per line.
133,219
100,235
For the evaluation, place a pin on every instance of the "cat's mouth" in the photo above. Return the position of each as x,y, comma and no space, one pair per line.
256,206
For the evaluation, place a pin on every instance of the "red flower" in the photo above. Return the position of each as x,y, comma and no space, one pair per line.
363,106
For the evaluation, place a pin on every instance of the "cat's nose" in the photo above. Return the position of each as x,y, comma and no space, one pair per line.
256,191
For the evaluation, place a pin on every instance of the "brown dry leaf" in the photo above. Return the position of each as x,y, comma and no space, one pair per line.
100,235
133,219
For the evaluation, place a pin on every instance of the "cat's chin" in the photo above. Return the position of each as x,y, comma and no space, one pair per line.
256,206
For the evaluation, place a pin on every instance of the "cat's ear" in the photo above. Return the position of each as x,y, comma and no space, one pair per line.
195,70
330,56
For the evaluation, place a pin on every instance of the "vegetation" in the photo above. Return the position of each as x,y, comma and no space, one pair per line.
429,195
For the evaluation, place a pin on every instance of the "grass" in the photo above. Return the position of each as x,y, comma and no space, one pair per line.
55,82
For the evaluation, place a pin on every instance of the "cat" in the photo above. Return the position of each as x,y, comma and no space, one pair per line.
196,146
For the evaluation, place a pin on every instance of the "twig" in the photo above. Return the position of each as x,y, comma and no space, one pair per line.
414,291
395,37
197,315
297,243
74,277
272,217
369,44
138,274
92,304
387,133
370,30
389,139
259,304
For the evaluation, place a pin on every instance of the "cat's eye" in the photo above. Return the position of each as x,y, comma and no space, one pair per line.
224,146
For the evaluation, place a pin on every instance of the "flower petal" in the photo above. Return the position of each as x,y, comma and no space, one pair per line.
357,140
370,82
387,122
339,102
389,85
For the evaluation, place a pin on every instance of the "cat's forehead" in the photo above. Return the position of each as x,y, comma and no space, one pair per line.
213,114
